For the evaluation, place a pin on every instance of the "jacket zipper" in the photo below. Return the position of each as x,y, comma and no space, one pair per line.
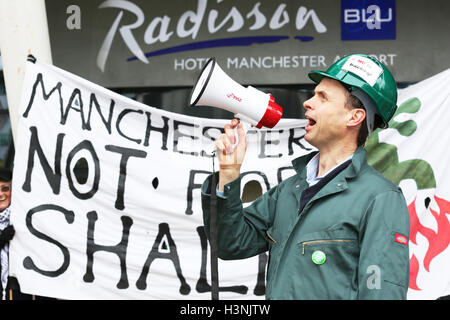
304,244
270,237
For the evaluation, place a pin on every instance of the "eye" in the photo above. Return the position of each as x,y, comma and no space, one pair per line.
323,96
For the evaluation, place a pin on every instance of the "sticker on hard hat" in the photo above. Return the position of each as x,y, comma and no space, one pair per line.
363,67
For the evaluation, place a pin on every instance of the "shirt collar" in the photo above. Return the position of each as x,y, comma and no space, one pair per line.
312,169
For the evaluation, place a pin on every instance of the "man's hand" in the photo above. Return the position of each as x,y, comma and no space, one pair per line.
230,157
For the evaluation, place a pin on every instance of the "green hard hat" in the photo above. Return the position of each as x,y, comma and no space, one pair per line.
370,81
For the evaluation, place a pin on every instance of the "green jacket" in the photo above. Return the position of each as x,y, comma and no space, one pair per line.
359,220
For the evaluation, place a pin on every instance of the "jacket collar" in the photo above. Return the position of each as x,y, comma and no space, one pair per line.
358,160
300,163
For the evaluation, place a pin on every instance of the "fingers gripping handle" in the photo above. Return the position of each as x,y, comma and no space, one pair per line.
246,124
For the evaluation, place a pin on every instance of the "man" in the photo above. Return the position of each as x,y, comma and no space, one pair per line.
337,229
9,286
6,230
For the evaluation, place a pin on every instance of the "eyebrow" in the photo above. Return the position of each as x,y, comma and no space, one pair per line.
324,93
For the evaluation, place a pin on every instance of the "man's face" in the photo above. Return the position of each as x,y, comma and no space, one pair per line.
326,113
5,194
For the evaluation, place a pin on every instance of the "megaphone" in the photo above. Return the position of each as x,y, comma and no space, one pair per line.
215,88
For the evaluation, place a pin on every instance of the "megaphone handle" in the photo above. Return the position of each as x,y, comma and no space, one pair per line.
245,126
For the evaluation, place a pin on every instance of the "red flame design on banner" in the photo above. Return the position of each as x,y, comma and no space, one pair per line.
437,241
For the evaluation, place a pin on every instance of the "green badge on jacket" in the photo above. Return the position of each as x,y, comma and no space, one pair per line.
319,257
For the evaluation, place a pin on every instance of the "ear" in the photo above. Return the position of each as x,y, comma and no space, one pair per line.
355,117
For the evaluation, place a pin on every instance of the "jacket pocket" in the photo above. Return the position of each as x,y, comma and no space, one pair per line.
323,242
341,248
328,262
396,261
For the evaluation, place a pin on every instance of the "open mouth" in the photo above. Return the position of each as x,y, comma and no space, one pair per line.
311,123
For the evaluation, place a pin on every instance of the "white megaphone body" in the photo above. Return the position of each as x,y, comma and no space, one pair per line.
215,88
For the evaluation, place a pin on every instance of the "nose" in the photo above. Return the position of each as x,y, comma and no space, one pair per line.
308,104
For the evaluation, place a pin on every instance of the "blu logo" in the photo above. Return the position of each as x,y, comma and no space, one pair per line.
368,20
370,16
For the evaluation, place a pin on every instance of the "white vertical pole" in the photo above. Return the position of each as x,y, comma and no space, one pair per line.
23,31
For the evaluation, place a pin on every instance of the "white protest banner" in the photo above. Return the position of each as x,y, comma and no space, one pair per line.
414,153
131,227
